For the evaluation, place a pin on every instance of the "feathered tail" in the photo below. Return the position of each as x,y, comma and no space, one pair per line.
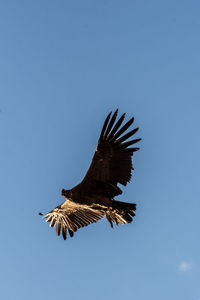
120,212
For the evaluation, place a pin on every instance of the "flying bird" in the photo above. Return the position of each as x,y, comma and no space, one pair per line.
93,198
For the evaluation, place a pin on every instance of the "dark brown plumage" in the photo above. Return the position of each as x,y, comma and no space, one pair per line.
93,198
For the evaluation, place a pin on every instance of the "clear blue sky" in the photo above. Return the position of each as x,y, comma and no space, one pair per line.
63,66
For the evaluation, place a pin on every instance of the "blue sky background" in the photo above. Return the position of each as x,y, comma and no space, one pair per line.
63,66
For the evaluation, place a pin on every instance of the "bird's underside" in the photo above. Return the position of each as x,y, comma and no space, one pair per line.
93,198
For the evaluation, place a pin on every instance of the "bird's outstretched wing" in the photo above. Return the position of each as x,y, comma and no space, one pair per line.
71,216
112,163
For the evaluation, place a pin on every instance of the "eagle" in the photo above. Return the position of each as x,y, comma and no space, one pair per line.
93,198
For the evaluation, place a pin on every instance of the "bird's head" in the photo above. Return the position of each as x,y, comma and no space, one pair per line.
66,193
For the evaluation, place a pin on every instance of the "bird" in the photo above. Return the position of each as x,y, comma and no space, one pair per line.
93,197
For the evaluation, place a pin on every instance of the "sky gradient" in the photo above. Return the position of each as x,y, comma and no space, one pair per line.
64,66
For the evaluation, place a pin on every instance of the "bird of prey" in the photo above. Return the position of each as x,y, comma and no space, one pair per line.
93,198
